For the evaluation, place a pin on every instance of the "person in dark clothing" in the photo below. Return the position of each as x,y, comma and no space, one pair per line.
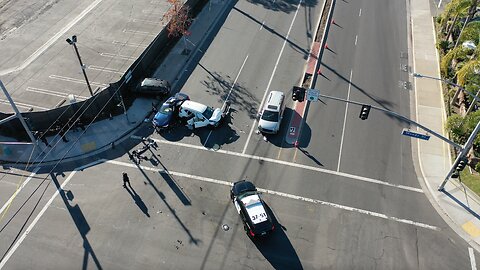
126,180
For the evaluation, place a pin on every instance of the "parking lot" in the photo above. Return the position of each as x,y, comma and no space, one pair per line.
40,69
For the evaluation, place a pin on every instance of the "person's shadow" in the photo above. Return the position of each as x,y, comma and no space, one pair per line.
138,201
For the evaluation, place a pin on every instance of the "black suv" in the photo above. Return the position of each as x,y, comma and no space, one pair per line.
251,208
153,86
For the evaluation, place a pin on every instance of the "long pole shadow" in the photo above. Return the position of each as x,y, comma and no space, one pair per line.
464,206
81,224
138,200
163,198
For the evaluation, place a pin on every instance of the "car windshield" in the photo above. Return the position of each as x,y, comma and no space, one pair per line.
165,109
208,112
270,116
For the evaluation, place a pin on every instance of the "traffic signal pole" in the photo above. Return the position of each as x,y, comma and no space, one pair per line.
463,154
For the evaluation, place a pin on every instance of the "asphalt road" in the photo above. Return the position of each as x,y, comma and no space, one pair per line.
350,199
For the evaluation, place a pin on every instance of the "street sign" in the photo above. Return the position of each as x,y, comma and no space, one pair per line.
312,94
415,134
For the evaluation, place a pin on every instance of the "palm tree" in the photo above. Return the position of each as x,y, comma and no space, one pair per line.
457,9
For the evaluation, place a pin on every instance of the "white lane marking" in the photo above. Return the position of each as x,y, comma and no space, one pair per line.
118,56
439,4
52,40
291,164
7,204
139,32
105,69
286,195
44,209
23,105
356,38
360,13
271,77
73,80
53,93
472,258
136,45
344,121
229,92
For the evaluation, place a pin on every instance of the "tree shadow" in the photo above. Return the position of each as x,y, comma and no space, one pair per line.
293,45
286,6
239,97
277,248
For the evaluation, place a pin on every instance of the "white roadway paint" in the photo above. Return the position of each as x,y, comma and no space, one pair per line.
53,93
44,209
229,92
286,195
344,121
23,105
118,56
360,13
136,45
7,204
52,40
472,258
105,69
356,38
139,32
271,77
73,80
291,164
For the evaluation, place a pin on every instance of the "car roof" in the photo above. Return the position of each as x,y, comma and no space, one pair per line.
154,82
254,207
242,187
194,106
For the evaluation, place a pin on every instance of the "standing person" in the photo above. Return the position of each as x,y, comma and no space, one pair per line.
126,180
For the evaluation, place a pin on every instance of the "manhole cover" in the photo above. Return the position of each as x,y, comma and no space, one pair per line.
225,227
215,147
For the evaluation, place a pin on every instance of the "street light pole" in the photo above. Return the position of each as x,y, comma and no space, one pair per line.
475,97
73,42
466,147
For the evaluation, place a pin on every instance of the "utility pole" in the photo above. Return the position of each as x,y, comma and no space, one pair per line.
73,42
17,113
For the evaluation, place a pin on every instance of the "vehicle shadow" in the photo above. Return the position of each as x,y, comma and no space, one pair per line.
216,137
279,138
277,248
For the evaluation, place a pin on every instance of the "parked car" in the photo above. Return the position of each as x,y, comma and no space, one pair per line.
153,86
167,113
251,208
199,115
272,113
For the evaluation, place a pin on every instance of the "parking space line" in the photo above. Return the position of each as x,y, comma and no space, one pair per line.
105,69
52,93
68,79
136,45
271,76
282,194
124,57
139,32
44,209
147,22
23,105
291,164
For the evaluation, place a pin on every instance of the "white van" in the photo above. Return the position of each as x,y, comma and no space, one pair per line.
272,113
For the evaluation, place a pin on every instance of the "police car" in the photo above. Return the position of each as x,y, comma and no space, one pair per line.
251,208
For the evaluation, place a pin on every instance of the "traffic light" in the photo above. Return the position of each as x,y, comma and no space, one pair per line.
364,112
461,164
298,93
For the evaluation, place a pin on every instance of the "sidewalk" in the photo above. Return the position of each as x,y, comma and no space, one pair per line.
100,135
457,204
